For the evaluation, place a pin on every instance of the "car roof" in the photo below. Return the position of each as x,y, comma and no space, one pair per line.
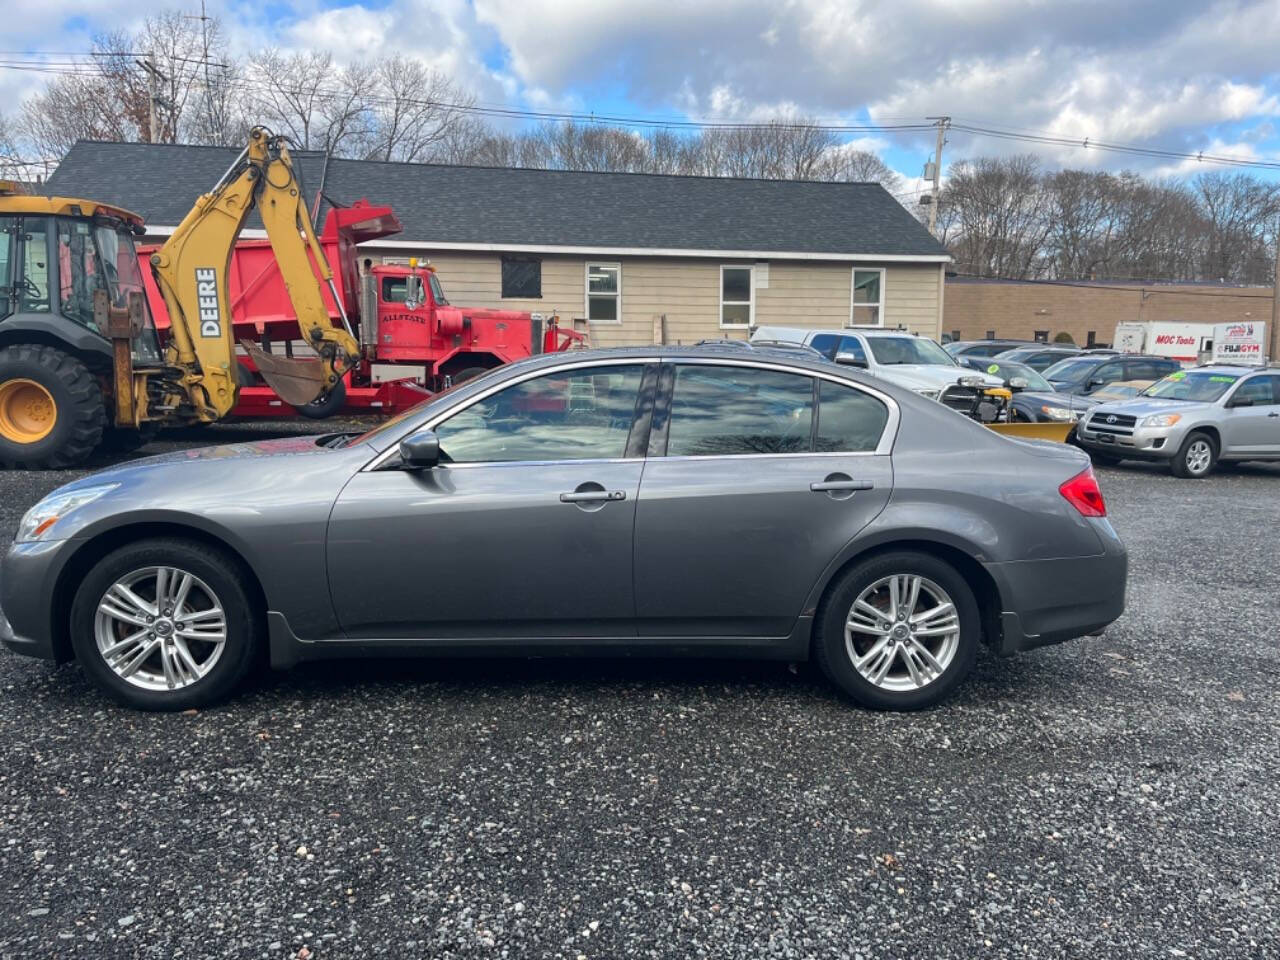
1238,370
725,349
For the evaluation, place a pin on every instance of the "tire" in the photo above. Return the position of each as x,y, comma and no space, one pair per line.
1196,457
901,688
52,412
326,406
468,373
1103,459
123,440
213,671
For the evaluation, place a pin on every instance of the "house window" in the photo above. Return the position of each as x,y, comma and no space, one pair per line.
991,334
737,296
1042,336
604,292
522,278
1091,338
868,298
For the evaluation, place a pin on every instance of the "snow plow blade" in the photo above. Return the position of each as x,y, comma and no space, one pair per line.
1056,431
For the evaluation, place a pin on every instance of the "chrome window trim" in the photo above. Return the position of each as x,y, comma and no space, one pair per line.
887,436
393,449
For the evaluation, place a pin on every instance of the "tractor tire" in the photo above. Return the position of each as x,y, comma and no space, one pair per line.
326,406
52,412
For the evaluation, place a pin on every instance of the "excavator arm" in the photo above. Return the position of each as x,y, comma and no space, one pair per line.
191,273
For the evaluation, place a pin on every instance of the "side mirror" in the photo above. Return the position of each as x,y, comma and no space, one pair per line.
421,450
413,293
1240,402
1095,383
844,358
1018,383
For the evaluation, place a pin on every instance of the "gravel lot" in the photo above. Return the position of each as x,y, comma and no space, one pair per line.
1115,797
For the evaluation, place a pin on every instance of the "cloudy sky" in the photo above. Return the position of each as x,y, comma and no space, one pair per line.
1176,74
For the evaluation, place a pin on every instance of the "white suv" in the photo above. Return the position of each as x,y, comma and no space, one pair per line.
898,356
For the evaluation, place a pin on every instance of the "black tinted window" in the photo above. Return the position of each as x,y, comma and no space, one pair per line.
848,419
1257,389
724,411
521,277
583,415
1145,370
1108,373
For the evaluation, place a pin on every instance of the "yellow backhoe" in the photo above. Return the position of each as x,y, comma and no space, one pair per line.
80,361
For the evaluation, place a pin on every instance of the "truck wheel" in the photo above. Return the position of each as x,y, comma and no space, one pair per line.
462,376
326,406
52,413
1196,457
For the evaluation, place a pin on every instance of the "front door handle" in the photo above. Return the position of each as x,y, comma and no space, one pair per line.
1273,414
593,496
825,486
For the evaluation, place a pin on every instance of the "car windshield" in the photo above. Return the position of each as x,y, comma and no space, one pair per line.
1008,369
1195,386
1070,371
895,350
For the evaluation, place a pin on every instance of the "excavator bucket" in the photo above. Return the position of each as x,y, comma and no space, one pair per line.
1057,432
297,381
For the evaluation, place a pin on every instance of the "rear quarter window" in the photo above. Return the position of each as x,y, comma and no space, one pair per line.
849,421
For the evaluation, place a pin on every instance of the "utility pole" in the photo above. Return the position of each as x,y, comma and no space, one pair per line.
942,123
1273,349
154,100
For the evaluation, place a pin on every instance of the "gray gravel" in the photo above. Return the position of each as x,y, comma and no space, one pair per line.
1109,798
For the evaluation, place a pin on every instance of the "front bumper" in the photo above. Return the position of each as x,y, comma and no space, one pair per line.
1145,443
27,579
1052,601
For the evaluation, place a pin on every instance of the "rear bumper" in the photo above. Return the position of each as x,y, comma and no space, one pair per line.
1051,601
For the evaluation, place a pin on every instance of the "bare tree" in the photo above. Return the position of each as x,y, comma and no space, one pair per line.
317,104
998,215
416,112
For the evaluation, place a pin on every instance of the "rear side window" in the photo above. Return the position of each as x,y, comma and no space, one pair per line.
734,411
849,421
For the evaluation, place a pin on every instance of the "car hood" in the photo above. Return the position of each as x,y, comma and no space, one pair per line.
922,376
1067,401
1145,406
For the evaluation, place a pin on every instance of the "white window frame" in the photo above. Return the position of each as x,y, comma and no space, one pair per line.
587,294
751,302
853,292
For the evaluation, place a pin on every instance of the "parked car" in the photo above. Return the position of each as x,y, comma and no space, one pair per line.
1034,399
981,348
910,361
1192,419
1087,373
756,503
1039,358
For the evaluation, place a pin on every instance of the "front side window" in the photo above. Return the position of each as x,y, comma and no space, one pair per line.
395,289
576,415
33,287
733,411
868,298
849,421
854,346
827,344
521,278
604,292
79,273
737,305
1257,389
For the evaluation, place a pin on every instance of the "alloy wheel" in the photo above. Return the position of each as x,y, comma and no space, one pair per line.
1198,456
160,628
902,632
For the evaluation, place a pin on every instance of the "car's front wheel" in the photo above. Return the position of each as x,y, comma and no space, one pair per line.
1196,457
165,624
898,631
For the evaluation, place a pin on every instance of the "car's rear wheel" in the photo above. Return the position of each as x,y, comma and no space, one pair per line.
898,631
165,624
1196,457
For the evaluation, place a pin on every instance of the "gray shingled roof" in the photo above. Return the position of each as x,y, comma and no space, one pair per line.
454,204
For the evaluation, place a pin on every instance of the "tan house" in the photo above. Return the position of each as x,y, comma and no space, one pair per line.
632,258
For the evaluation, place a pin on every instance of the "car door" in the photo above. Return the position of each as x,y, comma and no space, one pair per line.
524,530
747,495
1255,428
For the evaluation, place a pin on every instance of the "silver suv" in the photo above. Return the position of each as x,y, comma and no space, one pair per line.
1192,419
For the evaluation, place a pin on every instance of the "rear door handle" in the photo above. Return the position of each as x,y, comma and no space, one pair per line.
823,486
592,496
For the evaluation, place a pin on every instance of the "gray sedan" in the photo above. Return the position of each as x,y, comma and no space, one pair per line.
664,501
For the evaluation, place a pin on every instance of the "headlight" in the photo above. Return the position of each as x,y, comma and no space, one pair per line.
41,518
1161,420
931,394
1056,413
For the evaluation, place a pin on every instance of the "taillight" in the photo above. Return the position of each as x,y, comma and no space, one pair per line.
1082,493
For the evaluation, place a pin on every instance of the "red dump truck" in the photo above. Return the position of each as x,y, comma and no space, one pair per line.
413,341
